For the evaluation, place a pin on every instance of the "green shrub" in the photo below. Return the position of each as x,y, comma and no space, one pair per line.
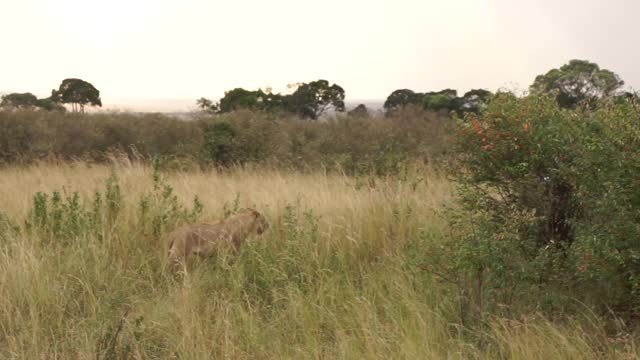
550,206
219,143
63,216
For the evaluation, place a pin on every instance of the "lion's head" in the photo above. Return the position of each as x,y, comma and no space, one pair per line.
261,224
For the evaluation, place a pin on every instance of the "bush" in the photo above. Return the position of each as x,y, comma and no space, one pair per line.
550,206
244,137
63,217
219,143
28,136
352,144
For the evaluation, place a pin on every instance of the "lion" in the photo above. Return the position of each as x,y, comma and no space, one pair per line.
206,239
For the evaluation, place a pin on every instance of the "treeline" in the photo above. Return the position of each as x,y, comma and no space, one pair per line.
308,101
76,92
353,144
578,82
311,100
259,126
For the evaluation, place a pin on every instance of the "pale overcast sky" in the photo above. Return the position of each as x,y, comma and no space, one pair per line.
185,49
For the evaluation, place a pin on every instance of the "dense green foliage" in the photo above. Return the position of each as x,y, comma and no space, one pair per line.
577,82
445,100
28,101
19,101
78,93
308,101
473,101
239,99
550,207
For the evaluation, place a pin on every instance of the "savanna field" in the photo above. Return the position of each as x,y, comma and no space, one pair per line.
499,251
335,277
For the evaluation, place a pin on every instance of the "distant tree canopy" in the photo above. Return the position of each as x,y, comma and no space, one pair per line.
19,101
473,101
313,99
309,100
576,82
240,98
440,100
78,93
206,105
359,111
400,98
447,100
28,101
50,105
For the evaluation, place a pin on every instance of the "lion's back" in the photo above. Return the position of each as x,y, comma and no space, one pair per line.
205,238
187,238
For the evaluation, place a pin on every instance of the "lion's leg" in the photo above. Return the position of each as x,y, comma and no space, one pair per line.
176,260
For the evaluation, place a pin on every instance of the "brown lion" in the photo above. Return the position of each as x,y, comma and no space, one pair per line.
206,239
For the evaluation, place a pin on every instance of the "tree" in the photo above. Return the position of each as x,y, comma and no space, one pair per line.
359,111
576,82
78,93
239,98
311,100
439,100
207,105
434,100
473,101
402,97
28,101
19,101
50,105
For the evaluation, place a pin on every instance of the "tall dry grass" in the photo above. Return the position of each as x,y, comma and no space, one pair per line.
331,278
